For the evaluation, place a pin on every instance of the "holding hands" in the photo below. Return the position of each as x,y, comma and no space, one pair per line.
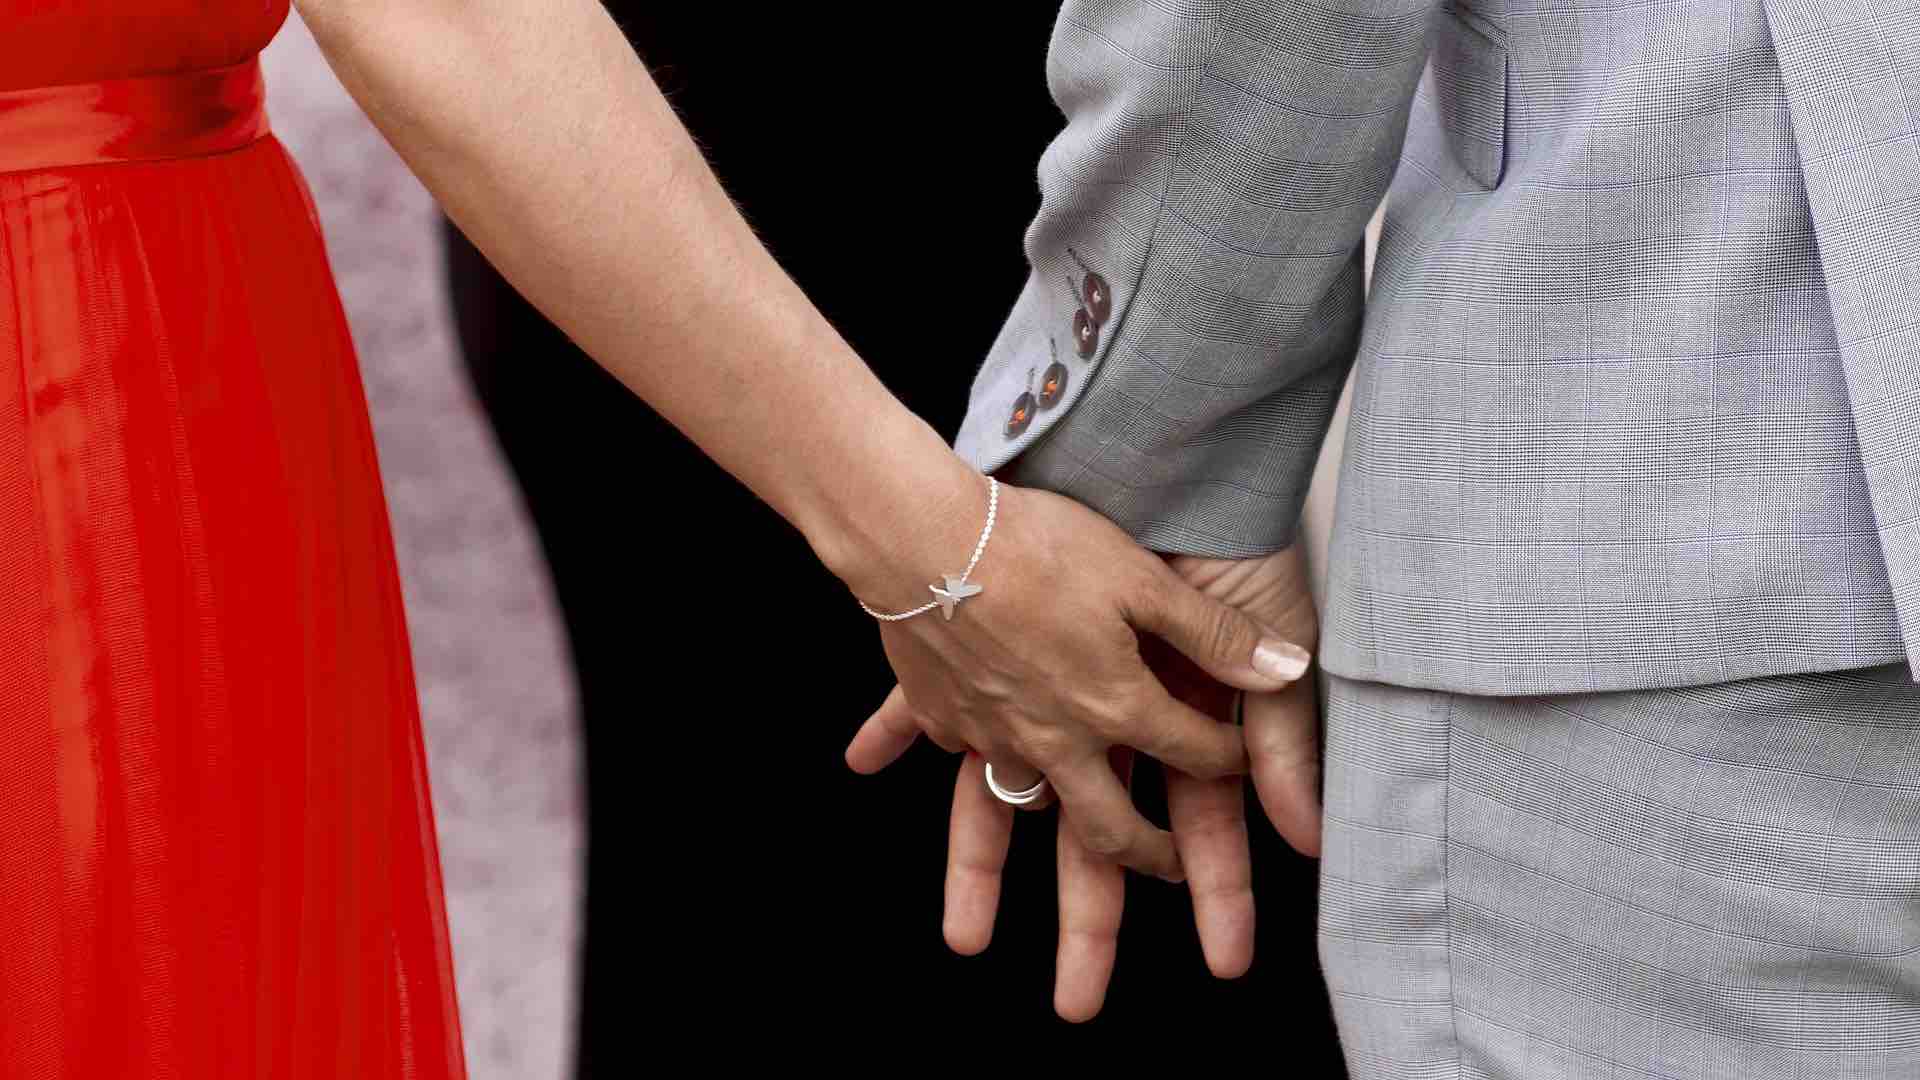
1080,649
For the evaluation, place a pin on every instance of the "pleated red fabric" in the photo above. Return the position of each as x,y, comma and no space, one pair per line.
217,850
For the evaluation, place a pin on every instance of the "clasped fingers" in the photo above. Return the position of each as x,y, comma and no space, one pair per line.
1161,726
1076,761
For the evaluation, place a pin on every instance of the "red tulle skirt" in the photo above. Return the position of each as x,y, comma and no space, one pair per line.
217,853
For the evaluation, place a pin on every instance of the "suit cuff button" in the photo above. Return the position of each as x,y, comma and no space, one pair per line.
1021,416
1053,384
1098,298
1086,335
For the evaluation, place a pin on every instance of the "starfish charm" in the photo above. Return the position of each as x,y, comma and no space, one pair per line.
957,590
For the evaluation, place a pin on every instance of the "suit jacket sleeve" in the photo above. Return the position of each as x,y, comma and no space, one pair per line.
1197,288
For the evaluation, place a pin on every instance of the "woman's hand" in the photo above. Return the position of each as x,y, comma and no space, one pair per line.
1208,816
1044,667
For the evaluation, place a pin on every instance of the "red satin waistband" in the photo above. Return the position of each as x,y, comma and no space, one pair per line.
191,114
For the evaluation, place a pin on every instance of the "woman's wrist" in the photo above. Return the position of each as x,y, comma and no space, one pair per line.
895,526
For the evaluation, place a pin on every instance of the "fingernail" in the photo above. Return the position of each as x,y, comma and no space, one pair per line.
1282,660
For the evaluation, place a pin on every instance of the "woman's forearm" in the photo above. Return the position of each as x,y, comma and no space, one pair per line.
548,143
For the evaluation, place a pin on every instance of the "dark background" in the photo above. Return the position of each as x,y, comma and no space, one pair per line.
739,875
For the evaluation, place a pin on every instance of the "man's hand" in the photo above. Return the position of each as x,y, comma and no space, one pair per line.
1208,817
1282,728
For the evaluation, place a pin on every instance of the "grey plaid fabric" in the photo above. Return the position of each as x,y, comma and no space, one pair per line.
1637,385
1699,883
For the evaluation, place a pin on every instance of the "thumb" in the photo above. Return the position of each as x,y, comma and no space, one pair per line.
1223,641
1283,748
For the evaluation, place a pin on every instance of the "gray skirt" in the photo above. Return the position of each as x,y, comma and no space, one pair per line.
1715,881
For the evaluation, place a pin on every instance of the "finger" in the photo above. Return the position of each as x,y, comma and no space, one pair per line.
1224,641
977,838
885,736
1177,734
1092,896
1283,747
1210,828
1015,776
1101,813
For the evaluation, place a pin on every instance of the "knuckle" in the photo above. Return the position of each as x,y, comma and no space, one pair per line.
1106,721
1117,705
1221,630
1137,719
1092,933
1041,745
1149,592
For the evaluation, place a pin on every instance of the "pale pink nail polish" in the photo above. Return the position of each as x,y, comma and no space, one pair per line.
1282,660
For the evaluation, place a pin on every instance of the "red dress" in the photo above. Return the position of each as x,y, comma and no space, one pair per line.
217,853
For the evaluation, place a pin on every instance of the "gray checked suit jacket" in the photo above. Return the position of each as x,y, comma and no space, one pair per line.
1637,386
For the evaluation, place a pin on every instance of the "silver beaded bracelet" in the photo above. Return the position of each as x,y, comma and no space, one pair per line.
957,587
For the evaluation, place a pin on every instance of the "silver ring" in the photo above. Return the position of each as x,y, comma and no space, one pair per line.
1015,798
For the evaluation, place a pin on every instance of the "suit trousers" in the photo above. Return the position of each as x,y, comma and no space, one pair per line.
1717,881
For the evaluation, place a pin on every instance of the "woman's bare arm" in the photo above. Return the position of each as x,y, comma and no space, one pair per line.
549,144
